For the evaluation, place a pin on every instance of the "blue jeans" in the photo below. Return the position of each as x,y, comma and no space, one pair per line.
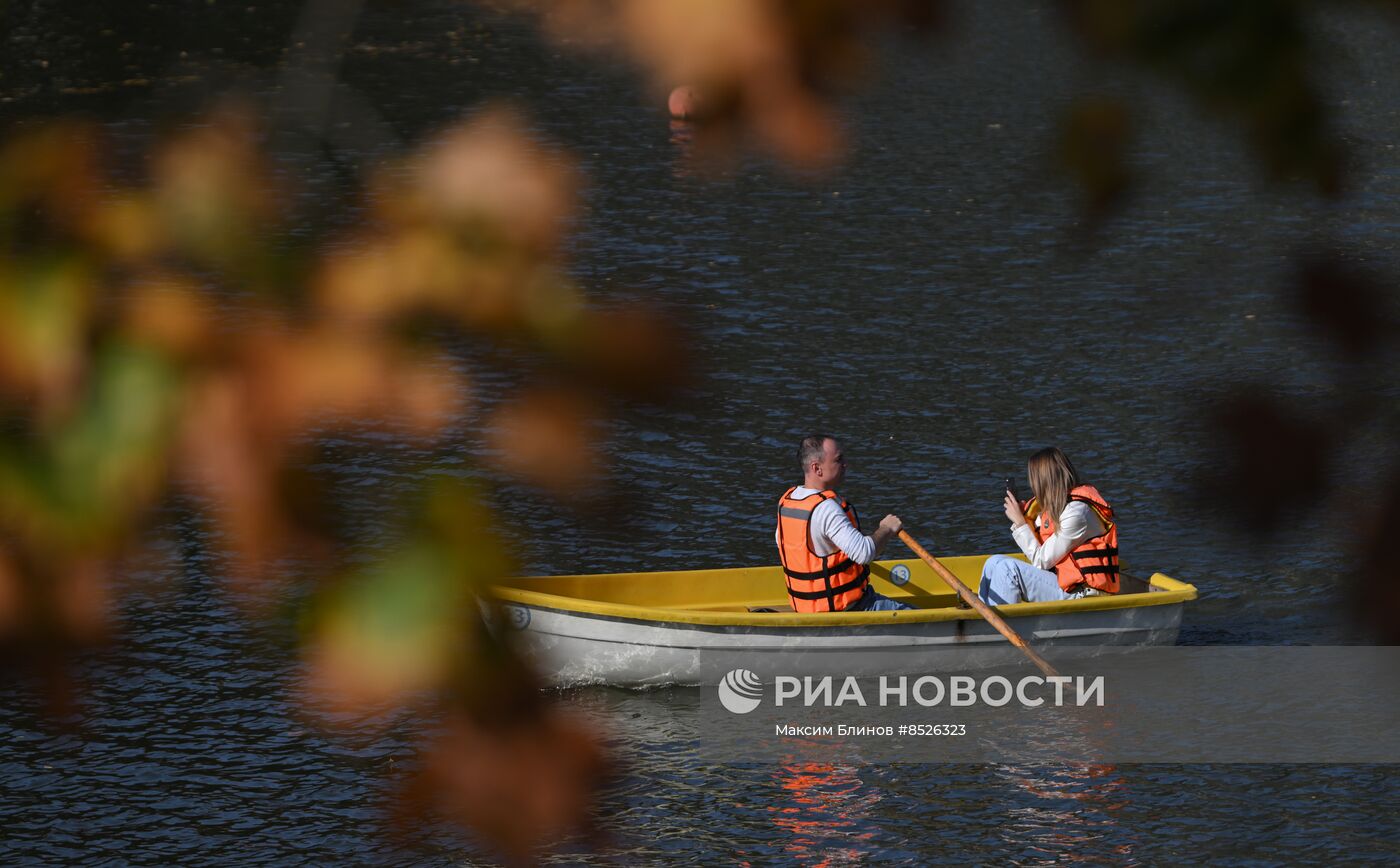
1008,580
873,601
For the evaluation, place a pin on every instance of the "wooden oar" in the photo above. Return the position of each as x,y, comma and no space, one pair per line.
975,602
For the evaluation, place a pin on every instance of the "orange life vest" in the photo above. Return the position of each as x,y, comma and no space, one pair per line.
815,583
1095,561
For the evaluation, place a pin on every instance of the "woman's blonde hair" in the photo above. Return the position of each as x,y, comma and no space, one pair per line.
1052,478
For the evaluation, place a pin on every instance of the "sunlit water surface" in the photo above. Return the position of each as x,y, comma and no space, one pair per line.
934,303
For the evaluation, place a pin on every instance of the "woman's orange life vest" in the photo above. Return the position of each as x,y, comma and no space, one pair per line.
1095,561
815,583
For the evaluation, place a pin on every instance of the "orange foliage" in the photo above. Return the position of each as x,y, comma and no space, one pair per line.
766,69
523,787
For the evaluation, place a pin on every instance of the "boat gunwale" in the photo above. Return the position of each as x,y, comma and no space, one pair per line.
1170,591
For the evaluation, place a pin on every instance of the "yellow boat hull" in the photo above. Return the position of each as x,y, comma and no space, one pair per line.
693,627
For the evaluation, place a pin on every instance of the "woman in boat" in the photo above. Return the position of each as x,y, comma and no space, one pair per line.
1074,554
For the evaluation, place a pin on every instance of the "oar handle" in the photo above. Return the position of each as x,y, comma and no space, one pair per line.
987,612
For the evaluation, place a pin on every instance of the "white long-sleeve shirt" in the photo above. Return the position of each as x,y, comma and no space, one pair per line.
1077,523
831,529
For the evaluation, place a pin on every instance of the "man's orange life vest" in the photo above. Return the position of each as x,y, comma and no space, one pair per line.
816,583
1095,561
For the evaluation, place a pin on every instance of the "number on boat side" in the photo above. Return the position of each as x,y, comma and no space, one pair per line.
518,616
900,574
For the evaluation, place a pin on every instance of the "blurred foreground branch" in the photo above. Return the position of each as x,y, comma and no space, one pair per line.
167,339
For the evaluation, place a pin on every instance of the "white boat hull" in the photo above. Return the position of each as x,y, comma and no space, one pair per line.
572,648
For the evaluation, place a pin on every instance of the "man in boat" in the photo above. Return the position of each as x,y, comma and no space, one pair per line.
825,557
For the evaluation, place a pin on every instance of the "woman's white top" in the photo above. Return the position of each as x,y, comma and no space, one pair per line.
1077,523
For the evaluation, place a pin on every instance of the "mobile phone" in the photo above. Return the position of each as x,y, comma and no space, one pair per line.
1009,488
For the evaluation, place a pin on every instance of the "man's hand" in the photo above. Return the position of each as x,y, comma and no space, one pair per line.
890,526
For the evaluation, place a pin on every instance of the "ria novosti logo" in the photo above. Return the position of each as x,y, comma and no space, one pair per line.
740,691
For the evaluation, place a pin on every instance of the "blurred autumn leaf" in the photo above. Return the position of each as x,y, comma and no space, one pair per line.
1258,437
155,341
1345,304
1250,62
767,71
1375,585
1094,147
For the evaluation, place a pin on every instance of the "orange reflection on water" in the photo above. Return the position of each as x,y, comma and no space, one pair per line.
1100,795
683,141
823,812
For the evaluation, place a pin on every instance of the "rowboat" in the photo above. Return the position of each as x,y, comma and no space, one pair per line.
693,627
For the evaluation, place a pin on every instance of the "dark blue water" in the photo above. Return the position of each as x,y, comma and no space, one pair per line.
934,302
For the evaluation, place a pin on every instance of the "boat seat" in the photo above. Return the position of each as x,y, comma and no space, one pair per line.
1128,584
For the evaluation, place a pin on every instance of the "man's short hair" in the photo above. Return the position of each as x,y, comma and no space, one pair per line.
812,448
